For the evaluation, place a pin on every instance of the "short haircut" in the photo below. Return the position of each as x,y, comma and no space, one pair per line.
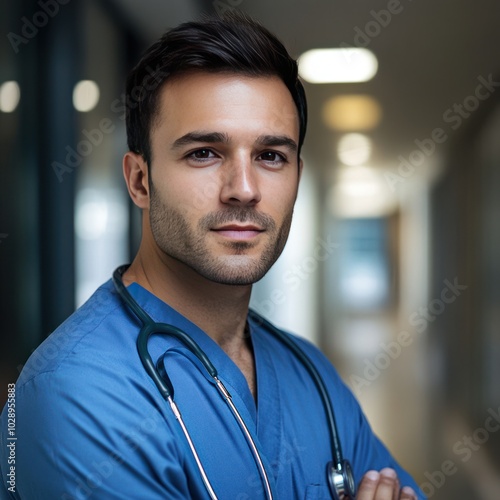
231,44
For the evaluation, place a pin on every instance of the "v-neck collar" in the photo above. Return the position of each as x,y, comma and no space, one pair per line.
263,419
228,371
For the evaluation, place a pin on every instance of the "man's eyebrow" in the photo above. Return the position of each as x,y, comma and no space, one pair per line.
220,137
278,140
208,137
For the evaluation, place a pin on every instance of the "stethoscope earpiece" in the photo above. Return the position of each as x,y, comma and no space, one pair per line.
341,481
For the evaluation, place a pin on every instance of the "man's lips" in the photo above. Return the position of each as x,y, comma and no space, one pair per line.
238,232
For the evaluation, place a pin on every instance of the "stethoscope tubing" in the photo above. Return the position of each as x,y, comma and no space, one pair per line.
162,381
165,386
318,381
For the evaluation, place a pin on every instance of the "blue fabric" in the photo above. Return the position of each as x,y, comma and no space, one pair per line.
90,423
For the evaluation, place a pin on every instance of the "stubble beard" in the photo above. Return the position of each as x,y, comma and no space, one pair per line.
178,240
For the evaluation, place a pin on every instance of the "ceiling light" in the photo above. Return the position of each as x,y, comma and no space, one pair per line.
347,65
352,113
85,95
10,94
354,149
361,192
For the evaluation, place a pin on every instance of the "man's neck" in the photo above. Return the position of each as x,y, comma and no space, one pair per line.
219,310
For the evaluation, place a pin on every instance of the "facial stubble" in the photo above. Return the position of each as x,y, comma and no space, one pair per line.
176,239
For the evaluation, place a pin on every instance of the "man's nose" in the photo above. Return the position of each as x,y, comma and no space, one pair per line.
240,183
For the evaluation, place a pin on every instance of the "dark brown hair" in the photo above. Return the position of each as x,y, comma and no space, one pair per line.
231,44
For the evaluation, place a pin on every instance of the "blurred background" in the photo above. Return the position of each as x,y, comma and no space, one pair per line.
392,266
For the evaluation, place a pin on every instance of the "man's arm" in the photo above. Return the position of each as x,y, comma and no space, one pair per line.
378,474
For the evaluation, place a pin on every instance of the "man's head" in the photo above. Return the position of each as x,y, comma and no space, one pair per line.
214,150
234,44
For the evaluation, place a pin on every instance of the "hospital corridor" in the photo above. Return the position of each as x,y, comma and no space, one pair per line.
392,266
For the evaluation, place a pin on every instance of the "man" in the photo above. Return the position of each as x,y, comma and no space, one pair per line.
216,120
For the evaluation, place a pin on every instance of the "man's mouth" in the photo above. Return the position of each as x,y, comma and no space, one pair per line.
238,231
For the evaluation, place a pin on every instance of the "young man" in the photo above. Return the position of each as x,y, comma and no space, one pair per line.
216,120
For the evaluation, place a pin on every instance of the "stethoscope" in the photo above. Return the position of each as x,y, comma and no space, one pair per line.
339,471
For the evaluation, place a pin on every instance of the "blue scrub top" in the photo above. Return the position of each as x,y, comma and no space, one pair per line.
90,423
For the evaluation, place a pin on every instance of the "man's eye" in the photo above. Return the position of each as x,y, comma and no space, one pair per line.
201,154
272,157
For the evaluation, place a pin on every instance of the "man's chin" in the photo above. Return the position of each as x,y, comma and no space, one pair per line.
237,279
237,271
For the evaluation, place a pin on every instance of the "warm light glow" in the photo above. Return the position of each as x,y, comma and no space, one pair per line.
352,113
86,95
354,149
338,65
10,94
361,192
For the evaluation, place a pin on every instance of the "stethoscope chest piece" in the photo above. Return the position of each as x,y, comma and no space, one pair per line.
341,481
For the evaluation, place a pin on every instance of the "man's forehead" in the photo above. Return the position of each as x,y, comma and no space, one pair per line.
201,96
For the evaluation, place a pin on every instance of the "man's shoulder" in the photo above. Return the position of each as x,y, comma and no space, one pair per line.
84,393
89,362
90,328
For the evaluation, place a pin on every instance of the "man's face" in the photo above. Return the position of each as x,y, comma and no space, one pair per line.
224,174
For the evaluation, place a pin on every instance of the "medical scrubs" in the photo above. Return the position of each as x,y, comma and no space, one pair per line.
90,423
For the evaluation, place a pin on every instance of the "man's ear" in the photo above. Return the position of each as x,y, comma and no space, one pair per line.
135,171
301,165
